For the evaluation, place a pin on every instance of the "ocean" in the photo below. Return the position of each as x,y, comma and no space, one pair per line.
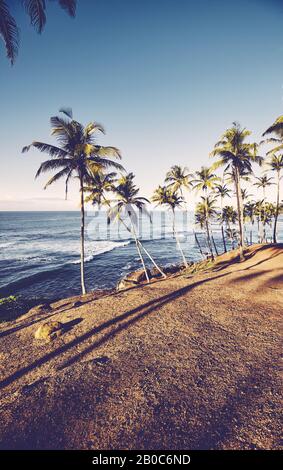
40,251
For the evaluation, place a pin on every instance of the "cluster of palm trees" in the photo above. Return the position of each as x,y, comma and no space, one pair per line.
104,182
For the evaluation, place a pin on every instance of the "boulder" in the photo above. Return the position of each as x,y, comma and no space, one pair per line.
132,279
49,330
42,308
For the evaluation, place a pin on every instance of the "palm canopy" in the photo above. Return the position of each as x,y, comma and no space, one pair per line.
263,181
222,190
98,185
36,10
76,152
206,208
229,215
235,152
205,179
178,178
165,196
127,199
275,163
277,129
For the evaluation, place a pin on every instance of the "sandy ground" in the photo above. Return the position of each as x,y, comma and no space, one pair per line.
191,362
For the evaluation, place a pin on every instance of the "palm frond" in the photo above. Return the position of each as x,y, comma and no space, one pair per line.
53,165
58,176
52,150
9,32
67,111
69,6
36,11
111,152
105,163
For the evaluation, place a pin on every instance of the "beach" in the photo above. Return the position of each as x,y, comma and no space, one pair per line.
189,362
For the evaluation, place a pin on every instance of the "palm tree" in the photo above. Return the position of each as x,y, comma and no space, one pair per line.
205,179
205,211
98,185
36,10
275,163
164,196
263,182
77,150
249,216
237,156
127,202
178,179
229,217
222,191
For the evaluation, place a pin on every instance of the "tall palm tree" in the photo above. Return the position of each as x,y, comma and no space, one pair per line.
205,211
275,163
127,203
76,151
164,196
36,10
205,179
222,191
263,182
178,179
236,155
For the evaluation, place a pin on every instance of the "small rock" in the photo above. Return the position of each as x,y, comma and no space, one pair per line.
132,279
49,330
78,303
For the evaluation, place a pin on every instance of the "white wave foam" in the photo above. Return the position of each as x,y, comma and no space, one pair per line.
100,247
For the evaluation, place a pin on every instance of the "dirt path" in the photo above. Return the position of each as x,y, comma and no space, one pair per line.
187,363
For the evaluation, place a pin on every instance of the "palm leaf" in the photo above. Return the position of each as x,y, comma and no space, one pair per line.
107,152
36,11
9,32
53,165
52,150
67,111
69,6
58,176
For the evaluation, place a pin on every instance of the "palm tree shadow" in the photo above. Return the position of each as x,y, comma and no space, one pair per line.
141,311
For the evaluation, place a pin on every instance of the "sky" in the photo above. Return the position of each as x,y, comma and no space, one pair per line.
165,78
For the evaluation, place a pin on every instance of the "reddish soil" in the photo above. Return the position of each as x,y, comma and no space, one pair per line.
191,362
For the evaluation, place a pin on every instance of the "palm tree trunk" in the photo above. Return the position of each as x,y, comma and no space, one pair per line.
214,244
178,241
277,209
223,238
138,250
198,244
240,212
208,239
82,237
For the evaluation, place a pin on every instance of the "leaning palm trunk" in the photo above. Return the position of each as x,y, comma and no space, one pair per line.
198,244
277,209
209,239
138,249
223,238
178,241
82,238
240,212
139,243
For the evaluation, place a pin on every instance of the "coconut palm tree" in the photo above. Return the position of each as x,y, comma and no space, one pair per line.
222,191
77,150
229,217
237,156
178,179
164,196
204,180
205,211
277,129
126,203
275,164
36,10
99,185
263,182
249,216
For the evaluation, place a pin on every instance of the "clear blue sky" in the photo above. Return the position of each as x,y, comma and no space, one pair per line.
165,77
